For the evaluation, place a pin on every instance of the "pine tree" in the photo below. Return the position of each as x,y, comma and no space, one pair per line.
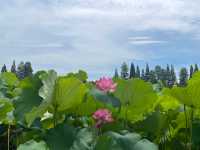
116,74
28,71
21,70
196,68
13,68
191,71
124,71
147,73
158,72
132,71
173,76
143,75
137,75
168,78
4,69
152,77
183,77
163,77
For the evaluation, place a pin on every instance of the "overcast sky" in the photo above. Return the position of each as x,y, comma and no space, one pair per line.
98,35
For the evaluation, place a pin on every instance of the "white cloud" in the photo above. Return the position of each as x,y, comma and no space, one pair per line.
143,40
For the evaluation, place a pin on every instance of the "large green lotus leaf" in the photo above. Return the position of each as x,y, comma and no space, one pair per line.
9,78
168,103
193,90
61,137
65,137
189,95
123,141
105,98
28,96
145,145
180,123
84,140
68,93
137,97
46,92
60,93
195,77
134,90
154,123
196,132
81,75
87,107
8,82
6,111
33,145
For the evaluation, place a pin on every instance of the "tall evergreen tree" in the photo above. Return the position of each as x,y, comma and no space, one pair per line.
137,75
13,68
4,69
196,68
191,71
147,72
132,71
124,71
168,69
183,77
152,77
28,71
168,77
21,70
143,75
173,74
116,74
158,71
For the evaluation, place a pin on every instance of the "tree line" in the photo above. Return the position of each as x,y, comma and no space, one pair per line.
21,70
165,76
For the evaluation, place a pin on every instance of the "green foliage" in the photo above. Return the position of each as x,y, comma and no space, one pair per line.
81,75
107,99
188,95
123,141
137,98
124,71
6,111
59,94
28,97
52,112
33,145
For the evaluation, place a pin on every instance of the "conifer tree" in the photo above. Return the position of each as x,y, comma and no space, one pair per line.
28,71
21,70
173,76
152,77
183,77
13,68
124,71
196,68
4,69
137,75
116,74
168,77
158,72
191,71
143,75
132,71
147,73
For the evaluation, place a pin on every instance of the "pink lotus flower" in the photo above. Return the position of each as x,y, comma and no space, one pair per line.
106,85
102,116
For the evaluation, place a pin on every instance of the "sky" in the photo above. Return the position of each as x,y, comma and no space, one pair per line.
98,35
